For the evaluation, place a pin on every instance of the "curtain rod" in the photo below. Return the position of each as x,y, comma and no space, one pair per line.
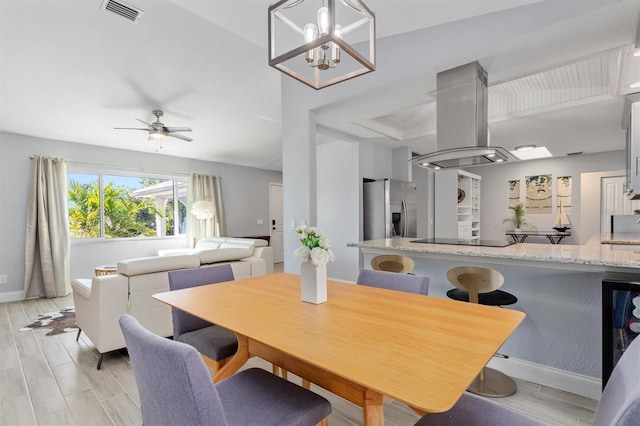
130,169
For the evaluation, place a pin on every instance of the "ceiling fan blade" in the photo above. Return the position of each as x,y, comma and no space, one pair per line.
130,128
143,122
178,129
179,136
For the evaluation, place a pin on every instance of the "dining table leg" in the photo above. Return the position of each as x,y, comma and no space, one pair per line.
373,409
237,361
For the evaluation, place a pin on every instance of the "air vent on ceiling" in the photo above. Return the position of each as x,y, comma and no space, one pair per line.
124,10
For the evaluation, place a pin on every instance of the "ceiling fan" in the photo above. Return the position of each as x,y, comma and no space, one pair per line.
157,130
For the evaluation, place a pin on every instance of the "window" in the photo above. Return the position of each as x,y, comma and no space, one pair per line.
121,205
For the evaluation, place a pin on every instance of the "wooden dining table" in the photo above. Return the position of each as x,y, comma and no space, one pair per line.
364,344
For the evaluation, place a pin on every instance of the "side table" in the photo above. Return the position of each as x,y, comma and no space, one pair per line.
106,270
554,236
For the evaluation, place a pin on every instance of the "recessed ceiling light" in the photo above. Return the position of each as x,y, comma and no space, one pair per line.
533,153
525,147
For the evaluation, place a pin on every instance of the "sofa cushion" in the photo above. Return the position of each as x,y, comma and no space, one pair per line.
243,242
260,243
209,243
224,255
146,265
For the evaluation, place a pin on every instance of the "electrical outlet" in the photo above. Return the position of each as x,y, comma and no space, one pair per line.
3,278
260,222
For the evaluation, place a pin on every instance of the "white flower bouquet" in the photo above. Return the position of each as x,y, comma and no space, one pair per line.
315,247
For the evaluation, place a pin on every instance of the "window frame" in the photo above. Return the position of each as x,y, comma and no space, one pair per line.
101,171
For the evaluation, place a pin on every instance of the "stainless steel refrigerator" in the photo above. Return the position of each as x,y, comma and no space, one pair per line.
389,209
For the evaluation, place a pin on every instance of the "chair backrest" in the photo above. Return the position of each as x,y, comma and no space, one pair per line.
393,263
187,278
475,280
173,382
418,284
620,401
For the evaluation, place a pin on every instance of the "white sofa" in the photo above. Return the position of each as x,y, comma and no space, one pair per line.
224,249
100,301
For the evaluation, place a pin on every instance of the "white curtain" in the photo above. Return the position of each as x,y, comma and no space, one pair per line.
205,187
47,241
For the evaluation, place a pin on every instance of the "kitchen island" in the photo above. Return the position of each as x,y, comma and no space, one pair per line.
559,287
592,256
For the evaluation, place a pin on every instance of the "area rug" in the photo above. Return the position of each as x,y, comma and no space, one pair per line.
60,322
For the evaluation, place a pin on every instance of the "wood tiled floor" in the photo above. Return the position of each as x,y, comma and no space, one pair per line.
52,380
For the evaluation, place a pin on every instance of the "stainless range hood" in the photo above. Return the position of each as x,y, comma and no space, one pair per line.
462,127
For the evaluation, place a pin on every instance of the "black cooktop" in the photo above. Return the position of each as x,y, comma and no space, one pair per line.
481,243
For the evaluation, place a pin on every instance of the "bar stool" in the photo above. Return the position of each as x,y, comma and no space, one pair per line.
478,284
392,263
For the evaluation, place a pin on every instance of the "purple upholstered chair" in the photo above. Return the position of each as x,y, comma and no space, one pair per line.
619,404
418,284
620,401
175,388
214,343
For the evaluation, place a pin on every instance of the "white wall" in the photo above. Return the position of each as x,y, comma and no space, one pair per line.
245,191
494,190
338,204
375,162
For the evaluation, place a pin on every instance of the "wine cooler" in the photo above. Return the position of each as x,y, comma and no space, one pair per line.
620,320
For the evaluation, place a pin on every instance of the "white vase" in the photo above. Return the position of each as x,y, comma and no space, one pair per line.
313,283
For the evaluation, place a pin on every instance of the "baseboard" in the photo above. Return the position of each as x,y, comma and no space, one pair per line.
11,296
549,376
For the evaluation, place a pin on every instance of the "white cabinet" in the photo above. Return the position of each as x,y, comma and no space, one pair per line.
457,205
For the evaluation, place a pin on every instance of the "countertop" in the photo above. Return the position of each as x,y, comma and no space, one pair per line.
593,253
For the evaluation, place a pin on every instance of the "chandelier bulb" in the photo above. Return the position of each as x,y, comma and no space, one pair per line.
335,49
323,20
310,34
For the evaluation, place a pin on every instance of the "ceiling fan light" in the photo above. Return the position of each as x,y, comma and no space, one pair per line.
157,135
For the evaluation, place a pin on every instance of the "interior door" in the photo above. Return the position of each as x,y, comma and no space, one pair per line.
614,201
276,221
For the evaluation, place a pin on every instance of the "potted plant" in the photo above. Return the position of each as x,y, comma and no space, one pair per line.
518,219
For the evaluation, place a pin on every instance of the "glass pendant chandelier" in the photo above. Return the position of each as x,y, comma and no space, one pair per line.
321,43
